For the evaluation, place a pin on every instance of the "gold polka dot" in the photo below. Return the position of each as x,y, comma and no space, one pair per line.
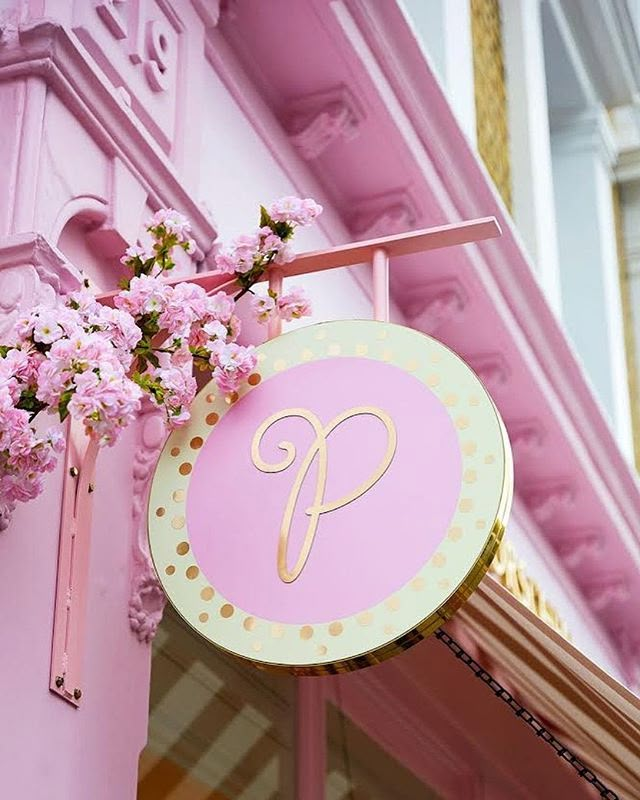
433,380
480,524
393,603
192,572
417,584
470,476
362,349
177,523
256,647
412,365
489,459
175,451
277,631
474,401
211,398
306,632
231,398
455,533
178,495
254,379
307,354
185,468
211,418
321,334
382,333
160,512
170,569
227,610
451,400
439,560
389,630
436,356
196,443
182,549
321,649
462,423
204,617
261,357
465,505
444,583
469,448
207,593
336,628
279,364
249,624
364,619
334,349
387,354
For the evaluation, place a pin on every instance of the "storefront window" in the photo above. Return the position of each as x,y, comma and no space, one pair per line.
359,769
218,729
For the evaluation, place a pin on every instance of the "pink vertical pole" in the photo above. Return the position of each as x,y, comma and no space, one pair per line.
275,285
311,739
381,285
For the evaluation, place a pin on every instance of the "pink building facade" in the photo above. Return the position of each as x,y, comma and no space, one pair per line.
114,109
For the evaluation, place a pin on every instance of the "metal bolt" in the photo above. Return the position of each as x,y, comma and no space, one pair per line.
77,694
59,681
91,488
74,472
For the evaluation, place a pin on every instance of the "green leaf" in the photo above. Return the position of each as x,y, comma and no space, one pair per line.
265,219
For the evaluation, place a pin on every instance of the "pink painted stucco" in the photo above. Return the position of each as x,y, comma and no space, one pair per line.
101,125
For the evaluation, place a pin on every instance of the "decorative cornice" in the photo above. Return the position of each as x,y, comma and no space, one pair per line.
602,593
526,435
491,368
46,49
575,546
438,302
315,122
384,215
548,498
584,132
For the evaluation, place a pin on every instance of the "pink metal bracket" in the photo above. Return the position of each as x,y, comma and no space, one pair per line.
73,565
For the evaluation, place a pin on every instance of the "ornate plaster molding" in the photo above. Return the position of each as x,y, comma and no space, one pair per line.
147,599
526,435
576,546
394,212
438,302
491,368
549,498
602,593
315,122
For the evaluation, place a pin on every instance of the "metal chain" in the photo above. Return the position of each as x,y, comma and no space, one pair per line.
540,730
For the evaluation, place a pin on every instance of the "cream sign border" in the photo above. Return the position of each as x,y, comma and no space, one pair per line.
438,587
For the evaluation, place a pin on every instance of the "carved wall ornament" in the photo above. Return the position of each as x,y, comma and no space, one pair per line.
526,435
575,546
492,369
436,303
318,120
147,599
385,215
602,593
547,499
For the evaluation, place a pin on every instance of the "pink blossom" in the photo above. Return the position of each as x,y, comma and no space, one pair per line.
220,306
46,329
295,210
226,262
134,252
263,308
146,295
172,221
231,364
294,304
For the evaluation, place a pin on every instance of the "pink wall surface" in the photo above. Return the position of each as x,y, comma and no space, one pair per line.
112,110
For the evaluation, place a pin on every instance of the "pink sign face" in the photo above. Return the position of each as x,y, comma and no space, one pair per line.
344,503
362,552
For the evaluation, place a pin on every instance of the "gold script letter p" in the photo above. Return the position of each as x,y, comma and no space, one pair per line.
317,448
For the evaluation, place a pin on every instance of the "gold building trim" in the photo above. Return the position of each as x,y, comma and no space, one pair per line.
492,126
630,345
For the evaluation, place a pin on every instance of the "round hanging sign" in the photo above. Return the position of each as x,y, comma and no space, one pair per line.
338,508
